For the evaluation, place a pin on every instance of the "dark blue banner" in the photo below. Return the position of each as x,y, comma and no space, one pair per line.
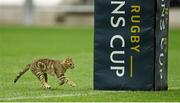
127,45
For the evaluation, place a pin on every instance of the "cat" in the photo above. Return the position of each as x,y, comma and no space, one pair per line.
41,67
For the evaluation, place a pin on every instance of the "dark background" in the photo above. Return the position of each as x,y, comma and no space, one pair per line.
175,3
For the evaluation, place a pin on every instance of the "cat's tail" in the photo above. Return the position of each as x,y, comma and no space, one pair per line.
22,72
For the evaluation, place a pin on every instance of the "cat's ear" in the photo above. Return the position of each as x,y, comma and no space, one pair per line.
68,58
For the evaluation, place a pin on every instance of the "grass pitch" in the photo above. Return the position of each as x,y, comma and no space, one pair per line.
20,45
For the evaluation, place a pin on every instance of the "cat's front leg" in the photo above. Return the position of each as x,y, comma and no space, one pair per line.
61,82
61,78
66,80
70,82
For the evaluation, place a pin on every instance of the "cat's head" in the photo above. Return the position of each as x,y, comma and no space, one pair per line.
69,63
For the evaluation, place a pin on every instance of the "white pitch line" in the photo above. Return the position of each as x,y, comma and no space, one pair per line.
68,95
56,96
174,88
37,97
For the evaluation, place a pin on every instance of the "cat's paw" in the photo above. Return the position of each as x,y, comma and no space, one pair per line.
61,83
47,87
72,84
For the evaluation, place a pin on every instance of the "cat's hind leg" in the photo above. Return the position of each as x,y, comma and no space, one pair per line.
40,75
46,79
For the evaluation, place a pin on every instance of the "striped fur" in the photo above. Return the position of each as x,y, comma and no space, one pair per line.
41,67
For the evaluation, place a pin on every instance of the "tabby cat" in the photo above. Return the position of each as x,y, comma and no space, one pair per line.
41,67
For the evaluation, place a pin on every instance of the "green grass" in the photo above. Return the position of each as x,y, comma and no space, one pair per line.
20,45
